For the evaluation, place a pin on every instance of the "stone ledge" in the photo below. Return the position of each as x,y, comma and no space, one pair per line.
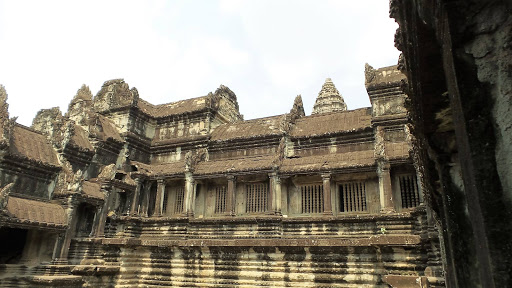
405,281
95,269
57,280
377,240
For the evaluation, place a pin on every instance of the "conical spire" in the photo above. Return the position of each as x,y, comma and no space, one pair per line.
329,99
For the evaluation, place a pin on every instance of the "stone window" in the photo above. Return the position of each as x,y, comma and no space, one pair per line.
312,198
353,197
256,197
220,199
409,190
178,201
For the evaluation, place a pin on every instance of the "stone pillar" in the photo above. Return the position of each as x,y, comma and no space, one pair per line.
275,194
160,190
189,194
136,196
230,201
101,214
145,199
277,182
96,222
58,250
386,193
326,179
61,248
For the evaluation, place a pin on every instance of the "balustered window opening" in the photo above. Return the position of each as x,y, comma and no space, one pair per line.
352,197
312,197
179,200
409,190
220,193
257,195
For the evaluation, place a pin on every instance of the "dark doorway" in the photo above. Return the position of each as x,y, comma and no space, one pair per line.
85,219
13,242
152,200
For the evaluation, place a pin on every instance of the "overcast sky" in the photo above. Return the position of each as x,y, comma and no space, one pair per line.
267,52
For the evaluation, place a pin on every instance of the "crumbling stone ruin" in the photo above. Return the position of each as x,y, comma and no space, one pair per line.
120,192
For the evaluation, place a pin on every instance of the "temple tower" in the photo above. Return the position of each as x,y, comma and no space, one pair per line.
329,99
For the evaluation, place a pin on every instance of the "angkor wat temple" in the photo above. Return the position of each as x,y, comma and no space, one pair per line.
414,191
121,192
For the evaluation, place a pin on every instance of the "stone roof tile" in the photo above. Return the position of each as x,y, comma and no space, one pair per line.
92,190
36,212
235,165
328,161
33,145
248,129
331,123
109,129
168,169
80,138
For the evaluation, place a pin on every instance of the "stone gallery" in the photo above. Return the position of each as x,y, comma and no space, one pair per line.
120,192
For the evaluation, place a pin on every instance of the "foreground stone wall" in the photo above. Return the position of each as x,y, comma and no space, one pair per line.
353,255
458,61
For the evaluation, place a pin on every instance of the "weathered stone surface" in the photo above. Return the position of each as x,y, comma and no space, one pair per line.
457,58
189,194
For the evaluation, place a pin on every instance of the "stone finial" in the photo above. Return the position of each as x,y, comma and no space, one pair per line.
298,107
369,73
81,103
48,121
226,92
329,99
115,94
4,113
84,93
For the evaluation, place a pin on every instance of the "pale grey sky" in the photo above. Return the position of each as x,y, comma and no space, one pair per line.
267,52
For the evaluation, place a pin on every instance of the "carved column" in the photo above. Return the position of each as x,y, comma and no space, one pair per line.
386,194
277,182
271,195
275,194
145,199
189,193
160,190
326,179
230,201
136,196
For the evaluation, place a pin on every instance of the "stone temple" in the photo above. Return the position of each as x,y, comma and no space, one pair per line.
120,192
